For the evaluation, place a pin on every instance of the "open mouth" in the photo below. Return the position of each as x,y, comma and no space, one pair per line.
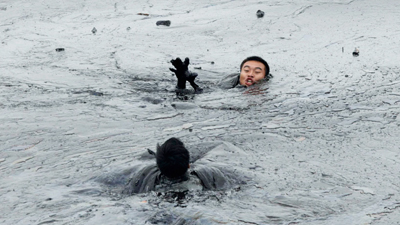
249,81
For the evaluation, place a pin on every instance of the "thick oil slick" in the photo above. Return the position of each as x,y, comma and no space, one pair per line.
320,138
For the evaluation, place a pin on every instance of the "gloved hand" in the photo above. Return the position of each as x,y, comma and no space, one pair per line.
183,74
181,68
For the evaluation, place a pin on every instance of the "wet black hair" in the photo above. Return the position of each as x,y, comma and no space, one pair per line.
172,158
258,59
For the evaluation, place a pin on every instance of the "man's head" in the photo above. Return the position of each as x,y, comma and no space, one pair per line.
172,158
252,70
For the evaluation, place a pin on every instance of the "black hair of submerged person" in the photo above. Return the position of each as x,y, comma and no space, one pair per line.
172,158
258,59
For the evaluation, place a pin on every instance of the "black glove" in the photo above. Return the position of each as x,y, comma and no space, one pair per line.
183,74
181,68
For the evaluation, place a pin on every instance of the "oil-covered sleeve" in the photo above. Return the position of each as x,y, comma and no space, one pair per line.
143,181
212,178
222,167
229,81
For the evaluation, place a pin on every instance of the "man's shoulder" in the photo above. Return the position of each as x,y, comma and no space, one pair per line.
229,81
212,178
212,170
142,180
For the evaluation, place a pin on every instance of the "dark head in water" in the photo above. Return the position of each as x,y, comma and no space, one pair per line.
171,171
172,158
252,70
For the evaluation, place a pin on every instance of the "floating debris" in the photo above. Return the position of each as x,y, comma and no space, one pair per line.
60,49
143,14
260,14
94,30
163,23
356,52
183,105
300,139
95,93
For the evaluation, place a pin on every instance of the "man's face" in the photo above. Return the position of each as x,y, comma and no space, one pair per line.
251,73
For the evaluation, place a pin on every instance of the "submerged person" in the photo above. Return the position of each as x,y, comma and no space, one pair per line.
253,70
172,172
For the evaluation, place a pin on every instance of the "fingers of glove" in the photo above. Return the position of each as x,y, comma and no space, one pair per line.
187,61
177,63
173,70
